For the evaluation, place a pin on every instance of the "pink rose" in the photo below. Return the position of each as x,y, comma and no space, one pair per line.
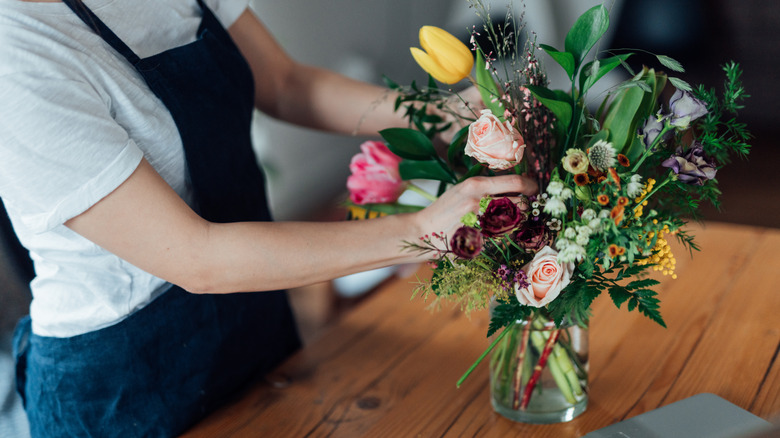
494,143
375,178
546,278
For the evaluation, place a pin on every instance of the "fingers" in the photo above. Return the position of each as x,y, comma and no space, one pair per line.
504,185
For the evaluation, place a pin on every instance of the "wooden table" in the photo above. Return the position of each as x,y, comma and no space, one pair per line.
388,369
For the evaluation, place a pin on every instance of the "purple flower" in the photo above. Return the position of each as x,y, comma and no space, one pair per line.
501,216
466,243
650,130
503,272
533,235
692,167
685,109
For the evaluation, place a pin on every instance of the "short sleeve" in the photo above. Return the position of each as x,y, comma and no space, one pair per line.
227,11
61,151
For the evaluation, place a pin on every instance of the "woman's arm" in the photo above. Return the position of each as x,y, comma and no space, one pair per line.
307,95
144,222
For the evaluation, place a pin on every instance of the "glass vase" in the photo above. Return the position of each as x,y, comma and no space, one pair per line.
539,373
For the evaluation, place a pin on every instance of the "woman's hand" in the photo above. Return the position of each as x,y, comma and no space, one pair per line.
444,215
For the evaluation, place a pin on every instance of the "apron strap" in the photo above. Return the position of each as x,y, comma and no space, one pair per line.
21,345
94,23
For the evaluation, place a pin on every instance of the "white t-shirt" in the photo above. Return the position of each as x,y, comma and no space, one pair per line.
75,121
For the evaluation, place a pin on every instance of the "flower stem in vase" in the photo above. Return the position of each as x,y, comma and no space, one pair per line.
529,387
520,360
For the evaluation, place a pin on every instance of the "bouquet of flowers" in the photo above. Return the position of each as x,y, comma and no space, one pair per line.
618,175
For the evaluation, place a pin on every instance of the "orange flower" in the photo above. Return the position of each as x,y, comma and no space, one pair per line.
615,177
622,201
581,179
616,214
615,250
603,199
623,160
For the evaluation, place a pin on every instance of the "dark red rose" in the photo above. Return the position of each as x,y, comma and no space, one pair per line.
533,235
500,217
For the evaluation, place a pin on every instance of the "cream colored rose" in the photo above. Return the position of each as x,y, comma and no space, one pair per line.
494,143
576,161
546,279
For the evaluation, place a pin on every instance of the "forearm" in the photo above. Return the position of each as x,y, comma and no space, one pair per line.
269,256
324,100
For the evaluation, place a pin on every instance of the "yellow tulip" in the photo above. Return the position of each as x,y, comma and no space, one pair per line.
447,59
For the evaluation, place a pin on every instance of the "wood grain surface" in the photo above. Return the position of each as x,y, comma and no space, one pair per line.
388,368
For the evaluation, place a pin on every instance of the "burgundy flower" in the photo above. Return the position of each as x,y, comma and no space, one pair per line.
466,243
501,216
692,167
534,235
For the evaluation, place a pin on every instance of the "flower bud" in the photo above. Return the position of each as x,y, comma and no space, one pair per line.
444,56
466,243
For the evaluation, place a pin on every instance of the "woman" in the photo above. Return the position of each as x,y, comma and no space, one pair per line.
127,171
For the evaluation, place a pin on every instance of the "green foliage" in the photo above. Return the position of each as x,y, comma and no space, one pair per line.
506,313
487,87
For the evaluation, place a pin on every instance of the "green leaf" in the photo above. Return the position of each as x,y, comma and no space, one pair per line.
621,117
408,143
680,84
455,151
670,63
487,87
604,66
390,83
428,169
619,295
586,32
564,59
561,107
642,283
505,314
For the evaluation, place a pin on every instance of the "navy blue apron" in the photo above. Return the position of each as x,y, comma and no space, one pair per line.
165,366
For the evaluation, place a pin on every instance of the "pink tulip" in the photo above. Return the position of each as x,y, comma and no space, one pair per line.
375,178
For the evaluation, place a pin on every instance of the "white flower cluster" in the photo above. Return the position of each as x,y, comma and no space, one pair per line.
572,241
557,194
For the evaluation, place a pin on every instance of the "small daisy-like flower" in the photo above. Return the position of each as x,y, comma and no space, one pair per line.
603,199
555,207
554,224
581,179
535,212
622,201
623,160
613,250
602,155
